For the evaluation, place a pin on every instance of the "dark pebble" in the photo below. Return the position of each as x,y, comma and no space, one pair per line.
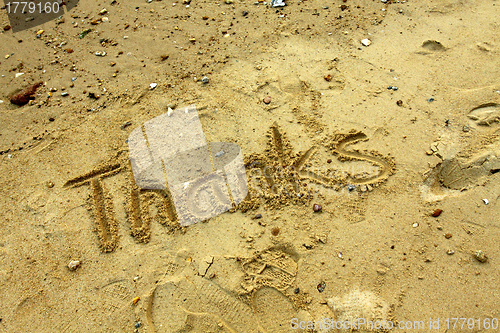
257,216
245,13
275,231
138,324
25,95
328,161
437,212
321,286
431,100
317,208
297,290
7,27
93,95
399,103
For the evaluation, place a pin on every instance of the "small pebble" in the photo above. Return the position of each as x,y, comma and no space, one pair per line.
450,252
466,128
275,231
245,13
351,188
205,80
93,95
437,212
267,99
25,95
64,93
366,42
136,300
257,216
321,286
394,88
448,235
480,256
296,291
317,208
431,100
399,103
328,161
328,77
414,225
138,324
486,201
152,86
74,264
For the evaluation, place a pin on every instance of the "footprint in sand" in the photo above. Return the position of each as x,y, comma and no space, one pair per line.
486,114
479,159
188,302
359,304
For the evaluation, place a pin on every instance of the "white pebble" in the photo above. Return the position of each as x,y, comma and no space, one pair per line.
74,264
152,86
366,42
486,201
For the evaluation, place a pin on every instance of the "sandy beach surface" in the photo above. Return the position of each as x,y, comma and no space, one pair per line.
371,140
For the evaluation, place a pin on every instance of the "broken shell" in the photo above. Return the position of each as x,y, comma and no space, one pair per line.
74,264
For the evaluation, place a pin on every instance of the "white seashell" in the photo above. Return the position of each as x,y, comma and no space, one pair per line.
74,264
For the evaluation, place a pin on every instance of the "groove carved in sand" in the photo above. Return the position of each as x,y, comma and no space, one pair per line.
138,207
278,175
